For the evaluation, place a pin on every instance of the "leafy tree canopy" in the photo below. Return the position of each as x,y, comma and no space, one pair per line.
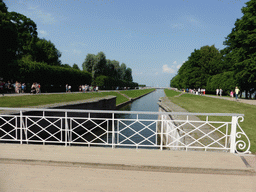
46,52
75,66
201,65
8,39
240,48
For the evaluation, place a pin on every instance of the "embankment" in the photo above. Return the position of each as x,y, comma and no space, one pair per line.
131,99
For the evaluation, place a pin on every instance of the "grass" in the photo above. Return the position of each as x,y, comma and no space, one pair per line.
171,93
195,103
35,100
136,93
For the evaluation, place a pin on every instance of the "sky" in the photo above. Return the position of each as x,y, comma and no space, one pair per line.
152,37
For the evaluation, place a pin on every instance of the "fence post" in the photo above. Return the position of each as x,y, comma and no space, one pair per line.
113,130
233,135
66,128
162,132
21,137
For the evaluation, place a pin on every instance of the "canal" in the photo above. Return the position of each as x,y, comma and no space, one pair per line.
144,131
146,103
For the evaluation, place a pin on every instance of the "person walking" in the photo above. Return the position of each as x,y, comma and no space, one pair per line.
2,88
66,88
237,92
217,92
231,94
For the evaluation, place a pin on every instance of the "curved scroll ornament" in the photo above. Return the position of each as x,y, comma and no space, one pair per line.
241,144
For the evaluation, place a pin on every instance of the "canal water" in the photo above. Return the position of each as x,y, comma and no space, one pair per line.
144,131
146,103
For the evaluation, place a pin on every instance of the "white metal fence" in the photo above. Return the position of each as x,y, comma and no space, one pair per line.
123,129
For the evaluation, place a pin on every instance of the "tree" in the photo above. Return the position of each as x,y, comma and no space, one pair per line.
100,64
176,82
110,68
128,75
27,33
118,72
66,66
46,52
123,71
8,40
75,66
201,64
241,48
224,81
89,62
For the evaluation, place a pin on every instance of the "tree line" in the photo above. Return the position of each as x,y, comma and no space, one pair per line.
235,65
108,73
27,58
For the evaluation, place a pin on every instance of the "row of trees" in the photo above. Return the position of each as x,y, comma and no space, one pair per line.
108,73
26,57
235,65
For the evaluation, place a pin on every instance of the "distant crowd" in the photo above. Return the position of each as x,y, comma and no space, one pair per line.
195,91
219,92
88,88
233,93
18,87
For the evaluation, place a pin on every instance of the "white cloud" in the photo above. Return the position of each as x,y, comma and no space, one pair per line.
43,33
175,62
178,66
82,44
192,20
46,18
177,26
140,73
166,69
77,52
156,73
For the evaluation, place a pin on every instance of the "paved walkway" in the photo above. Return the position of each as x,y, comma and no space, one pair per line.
60,168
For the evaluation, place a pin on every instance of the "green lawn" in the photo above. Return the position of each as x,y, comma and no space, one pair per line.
171,93
35,100
136,93
195,103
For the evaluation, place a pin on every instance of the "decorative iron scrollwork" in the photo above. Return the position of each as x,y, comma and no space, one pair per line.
241,145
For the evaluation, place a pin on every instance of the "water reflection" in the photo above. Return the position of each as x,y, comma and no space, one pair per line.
146,103
131,132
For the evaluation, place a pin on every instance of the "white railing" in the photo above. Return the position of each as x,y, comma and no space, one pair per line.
123,129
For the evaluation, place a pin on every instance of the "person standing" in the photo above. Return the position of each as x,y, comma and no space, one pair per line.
231,94
220,92
66,88
237,92
217,92
39,88
16,87
2,88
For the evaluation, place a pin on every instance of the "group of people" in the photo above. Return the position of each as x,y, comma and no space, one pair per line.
196,91
86,88
18,87
35,88
8,87
219,91
234,93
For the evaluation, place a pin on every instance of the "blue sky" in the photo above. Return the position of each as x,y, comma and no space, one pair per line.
152,37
